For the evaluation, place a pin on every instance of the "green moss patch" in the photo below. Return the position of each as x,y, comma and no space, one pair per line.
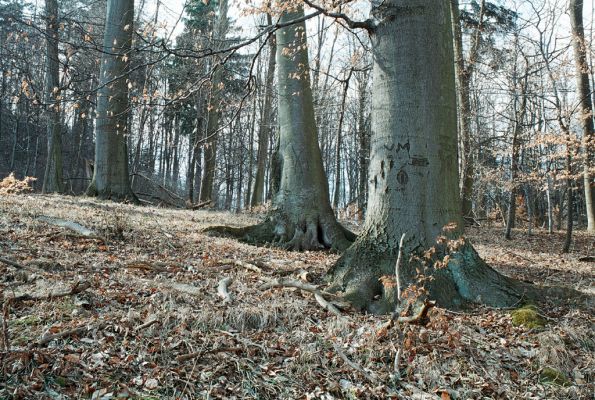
528,317
553,377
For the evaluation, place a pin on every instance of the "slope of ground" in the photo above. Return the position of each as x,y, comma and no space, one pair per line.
150,324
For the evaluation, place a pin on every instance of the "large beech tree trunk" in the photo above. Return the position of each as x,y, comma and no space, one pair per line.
413,171
110,177
586,106
52,178
301,217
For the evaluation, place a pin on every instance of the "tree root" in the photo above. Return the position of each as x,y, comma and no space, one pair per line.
319,295
310,233
453,275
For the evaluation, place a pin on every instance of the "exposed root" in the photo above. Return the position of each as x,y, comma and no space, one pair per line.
319,295
453,277
223,291
309,233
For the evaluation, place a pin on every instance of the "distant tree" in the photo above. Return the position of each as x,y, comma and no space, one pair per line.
265,125
583,85
110,177
52,178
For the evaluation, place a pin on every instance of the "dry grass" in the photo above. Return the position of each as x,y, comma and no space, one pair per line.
267,345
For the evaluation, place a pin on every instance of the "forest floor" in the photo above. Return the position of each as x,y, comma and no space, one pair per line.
147,322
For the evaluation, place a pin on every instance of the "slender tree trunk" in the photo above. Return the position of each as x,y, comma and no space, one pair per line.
517,130
569,195
265,126
586,106
364,144
339,144
52,178
214,113
550,205
464,72
110,176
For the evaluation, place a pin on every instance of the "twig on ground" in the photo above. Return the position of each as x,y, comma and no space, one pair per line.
145,266
223,291
12,263
421,315
326,305
371,378
398,267
73,226
162,284
417,393
78,287
146,324
5,315
242,264
64,334
319,295
198,354
198,206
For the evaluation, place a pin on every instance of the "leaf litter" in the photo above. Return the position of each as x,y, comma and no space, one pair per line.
151,324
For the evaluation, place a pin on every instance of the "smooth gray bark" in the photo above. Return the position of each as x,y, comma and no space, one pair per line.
301,218
52,178
110,177
414,171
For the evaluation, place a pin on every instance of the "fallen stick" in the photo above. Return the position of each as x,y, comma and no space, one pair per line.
180,287
242,264
420,316
327,305
12,263
75,289
355,366
418,394
398,267
319,295
197,354
64,334
288,282
192,206
73,226
146,325
145,266
222,290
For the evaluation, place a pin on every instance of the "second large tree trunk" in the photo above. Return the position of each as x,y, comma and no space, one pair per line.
110,177
301,218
